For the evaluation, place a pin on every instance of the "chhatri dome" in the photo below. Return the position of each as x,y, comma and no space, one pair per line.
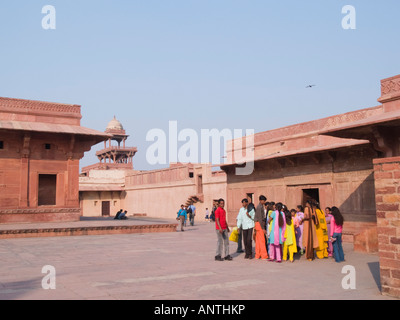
114,157
114,124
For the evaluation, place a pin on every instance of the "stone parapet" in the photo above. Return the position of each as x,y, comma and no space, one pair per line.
390,93
39,111
89,230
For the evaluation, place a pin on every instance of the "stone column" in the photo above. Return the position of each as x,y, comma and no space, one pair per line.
72,200
24,180
387,194
24,183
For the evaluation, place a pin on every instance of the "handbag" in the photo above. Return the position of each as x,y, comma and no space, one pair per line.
234,235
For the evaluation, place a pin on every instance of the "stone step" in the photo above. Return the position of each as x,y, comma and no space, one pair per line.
88,230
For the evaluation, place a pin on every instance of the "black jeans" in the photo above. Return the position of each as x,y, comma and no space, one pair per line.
248,241
240,248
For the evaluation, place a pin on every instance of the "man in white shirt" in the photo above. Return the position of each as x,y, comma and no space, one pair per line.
245,221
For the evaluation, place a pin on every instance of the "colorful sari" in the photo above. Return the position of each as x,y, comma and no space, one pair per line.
310,240
322,235
277,233
290,242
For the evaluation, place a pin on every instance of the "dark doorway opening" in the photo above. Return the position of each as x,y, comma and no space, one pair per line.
105,208
250,197
200,184
47,189
310,194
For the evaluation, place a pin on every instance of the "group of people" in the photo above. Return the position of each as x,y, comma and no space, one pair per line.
279,233
186,212
121,215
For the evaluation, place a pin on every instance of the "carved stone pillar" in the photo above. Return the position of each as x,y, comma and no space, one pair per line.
24,182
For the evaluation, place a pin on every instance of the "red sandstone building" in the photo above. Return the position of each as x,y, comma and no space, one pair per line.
41,144
350,160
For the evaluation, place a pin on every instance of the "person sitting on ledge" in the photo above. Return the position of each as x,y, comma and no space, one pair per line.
123,216
118,214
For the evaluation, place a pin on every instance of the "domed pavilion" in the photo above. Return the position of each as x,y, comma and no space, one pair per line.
114,156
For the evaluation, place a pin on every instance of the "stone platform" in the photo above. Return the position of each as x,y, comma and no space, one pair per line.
176,266
87,226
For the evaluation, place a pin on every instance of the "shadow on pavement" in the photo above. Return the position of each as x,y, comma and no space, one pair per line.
375,271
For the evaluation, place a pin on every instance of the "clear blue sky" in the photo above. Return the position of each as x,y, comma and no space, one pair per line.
207,64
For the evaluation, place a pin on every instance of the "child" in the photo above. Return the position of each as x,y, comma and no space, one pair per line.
290,236
295,220
328,218
299,230
276,237
336,234
207,217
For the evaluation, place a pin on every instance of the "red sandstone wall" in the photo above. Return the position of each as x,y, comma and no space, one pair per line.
10,180
297,136
387,187
344,179
22,160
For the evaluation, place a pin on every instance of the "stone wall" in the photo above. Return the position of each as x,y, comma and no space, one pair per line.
387,187
159,193
344,180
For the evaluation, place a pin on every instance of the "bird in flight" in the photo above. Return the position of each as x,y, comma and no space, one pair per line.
310,86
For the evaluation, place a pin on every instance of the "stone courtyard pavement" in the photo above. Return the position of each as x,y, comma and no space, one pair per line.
171,266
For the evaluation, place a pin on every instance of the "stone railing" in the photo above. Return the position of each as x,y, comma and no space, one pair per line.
390,89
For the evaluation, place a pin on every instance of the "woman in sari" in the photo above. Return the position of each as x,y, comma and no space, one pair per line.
277,235
322,232
290,245
310,240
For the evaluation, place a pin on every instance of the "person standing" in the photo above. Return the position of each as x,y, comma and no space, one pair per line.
245,222
290,245
310,240
222,231
207,218
276,237
322,232
185,208
192,213
212,216
260,229
269,209
328,218
240,242
336,234
299,231
182,216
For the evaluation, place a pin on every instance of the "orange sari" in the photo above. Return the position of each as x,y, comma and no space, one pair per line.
261,250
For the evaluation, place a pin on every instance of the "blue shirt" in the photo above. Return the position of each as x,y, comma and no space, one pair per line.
182,212
193,208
